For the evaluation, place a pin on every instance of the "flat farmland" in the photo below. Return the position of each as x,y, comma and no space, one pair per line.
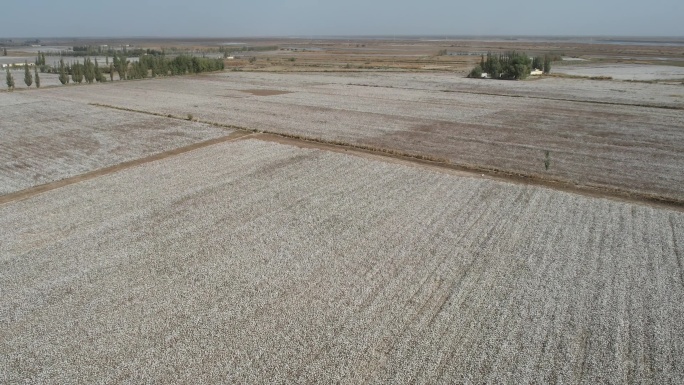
625,71
48,140
600,134
252,261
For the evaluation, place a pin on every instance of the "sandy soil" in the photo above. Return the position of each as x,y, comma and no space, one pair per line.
254,262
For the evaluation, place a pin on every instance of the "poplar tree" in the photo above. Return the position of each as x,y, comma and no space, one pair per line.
121,65
9,80
28,78
88,70
77,72
547,64
63,76
35,70
98,73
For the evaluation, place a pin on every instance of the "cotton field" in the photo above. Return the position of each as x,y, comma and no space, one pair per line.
606,135
252,262
48,140
342,228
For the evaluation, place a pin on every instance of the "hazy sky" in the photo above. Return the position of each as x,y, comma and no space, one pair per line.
73,18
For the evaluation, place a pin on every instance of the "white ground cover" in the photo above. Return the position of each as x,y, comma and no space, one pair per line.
252,262
46,140
557,88
501,124
624,71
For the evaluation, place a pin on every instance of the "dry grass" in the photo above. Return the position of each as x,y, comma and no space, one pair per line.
253,262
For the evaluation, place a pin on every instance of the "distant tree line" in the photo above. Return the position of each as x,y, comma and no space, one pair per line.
160,65
152,64
248,48
510,65
89,70
28,77
84,51
146,66
96,50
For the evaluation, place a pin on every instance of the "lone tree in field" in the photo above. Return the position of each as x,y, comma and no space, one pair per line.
28,78
10,80
35,70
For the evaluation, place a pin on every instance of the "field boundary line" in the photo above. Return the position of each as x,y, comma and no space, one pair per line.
32,191
438,163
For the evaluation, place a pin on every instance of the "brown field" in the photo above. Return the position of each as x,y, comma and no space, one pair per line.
387,225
